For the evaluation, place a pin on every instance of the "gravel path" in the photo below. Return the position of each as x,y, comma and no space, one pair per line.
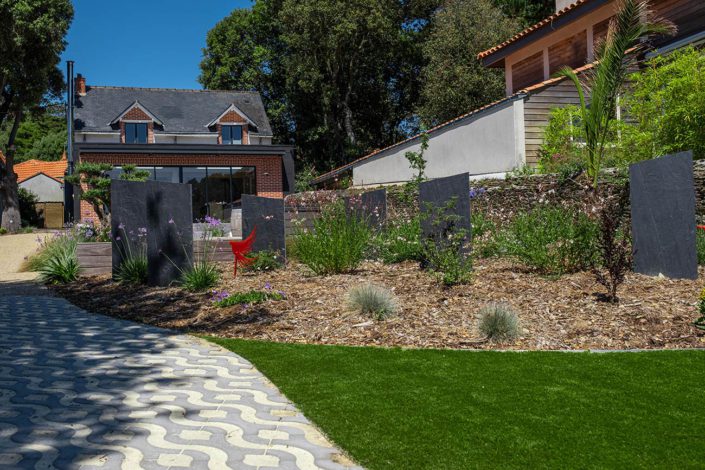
13,250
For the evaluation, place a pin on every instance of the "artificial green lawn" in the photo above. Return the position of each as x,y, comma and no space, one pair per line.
393,408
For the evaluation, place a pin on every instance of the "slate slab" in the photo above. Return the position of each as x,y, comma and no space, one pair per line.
370,206
445,198
164,210
662,194
267,214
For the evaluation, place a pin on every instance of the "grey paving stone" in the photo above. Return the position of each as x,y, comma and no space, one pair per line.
79,390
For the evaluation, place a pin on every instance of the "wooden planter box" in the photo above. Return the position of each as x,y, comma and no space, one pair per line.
96,258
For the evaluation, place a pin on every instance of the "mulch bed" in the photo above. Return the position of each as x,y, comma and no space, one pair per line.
561,313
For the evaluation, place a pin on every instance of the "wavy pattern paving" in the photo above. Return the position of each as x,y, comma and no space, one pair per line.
84,391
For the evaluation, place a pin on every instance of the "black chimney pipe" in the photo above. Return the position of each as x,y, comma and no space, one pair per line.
70,97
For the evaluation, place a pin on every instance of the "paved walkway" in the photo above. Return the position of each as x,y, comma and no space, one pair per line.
86,391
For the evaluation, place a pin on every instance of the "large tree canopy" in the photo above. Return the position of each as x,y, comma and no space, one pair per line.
31,42
340,78
454,80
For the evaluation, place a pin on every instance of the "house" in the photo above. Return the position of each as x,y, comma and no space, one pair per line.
220,142
494,139
44,179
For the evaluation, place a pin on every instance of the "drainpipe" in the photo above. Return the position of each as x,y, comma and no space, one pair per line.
68,188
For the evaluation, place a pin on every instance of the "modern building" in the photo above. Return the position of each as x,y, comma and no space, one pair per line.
220,142
498,137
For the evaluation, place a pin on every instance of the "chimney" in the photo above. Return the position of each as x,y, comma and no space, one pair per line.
80,85
561,4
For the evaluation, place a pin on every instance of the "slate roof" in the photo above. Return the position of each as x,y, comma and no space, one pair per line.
181,111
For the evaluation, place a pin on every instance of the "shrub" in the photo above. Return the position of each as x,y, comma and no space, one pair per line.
700,245
132,271
56,259
201,276
133,252
499,322
446,252
614,243
337,243
28,208
265,260
375,301
552,240
3,231
223,299
399,241
484,233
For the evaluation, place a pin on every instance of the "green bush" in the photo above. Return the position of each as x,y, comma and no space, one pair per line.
399,241
447,253
552,240
3,231
337,243
499,322
375,301
484,236
248,298
28,209
265,260
201,276
700,245
56,260
132,271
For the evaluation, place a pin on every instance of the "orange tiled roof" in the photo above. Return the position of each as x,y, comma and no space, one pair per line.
533,28
30,168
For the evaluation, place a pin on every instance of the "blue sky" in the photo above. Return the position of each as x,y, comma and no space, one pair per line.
148,43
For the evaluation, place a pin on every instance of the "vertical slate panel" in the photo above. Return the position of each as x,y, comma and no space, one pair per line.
267,214
434,195
662,196
370,206
164,209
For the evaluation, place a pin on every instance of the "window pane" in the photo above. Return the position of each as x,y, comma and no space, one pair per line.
141,133
243,183
196,177
236,132
168,174
129,133
219,193
225,130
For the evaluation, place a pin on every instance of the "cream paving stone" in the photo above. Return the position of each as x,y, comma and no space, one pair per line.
79,390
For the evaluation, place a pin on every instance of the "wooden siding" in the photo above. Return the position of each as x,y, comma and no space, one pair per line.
571,52
537,108
527,71
599,31
688,15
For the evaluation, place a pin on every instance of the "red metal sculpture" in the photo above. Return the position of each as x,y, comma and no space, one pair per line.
241,248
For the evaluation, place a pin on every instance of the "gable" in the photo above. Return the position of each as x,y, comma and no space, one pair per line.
136,112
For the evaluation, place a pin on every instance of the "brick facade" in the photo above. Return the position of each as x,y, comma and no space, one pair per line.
268,168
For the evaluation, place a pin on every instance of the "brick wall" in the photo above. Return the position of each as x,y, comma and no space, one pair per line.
268,168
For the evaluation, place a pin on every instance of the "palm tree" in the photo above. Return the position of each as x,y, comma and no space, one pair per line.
628,31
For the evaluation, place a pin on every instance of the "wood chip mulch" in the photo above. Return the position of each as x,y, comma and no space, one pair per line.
562,313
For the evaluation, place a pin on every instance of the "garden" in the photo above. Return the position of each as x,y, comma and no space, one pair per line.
578,258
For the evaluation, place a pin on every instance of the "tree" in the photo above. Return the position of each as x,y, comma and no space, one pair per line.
528,12
633,23
41,134
94,179
454,81
338,78
31,41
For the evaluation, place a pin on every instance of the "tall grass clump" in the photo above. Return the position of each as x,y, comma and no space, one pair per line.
56,260
372,300
201,276
337,243
499,322
133,253
552,240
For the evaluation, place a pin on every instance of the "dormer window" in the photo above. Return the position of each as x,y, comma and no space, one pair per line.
231,135
135,132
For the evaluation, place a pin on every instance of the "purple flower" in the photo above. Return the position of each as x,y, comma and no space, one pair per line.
121,226
171,220
282,293
267,285
117,239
